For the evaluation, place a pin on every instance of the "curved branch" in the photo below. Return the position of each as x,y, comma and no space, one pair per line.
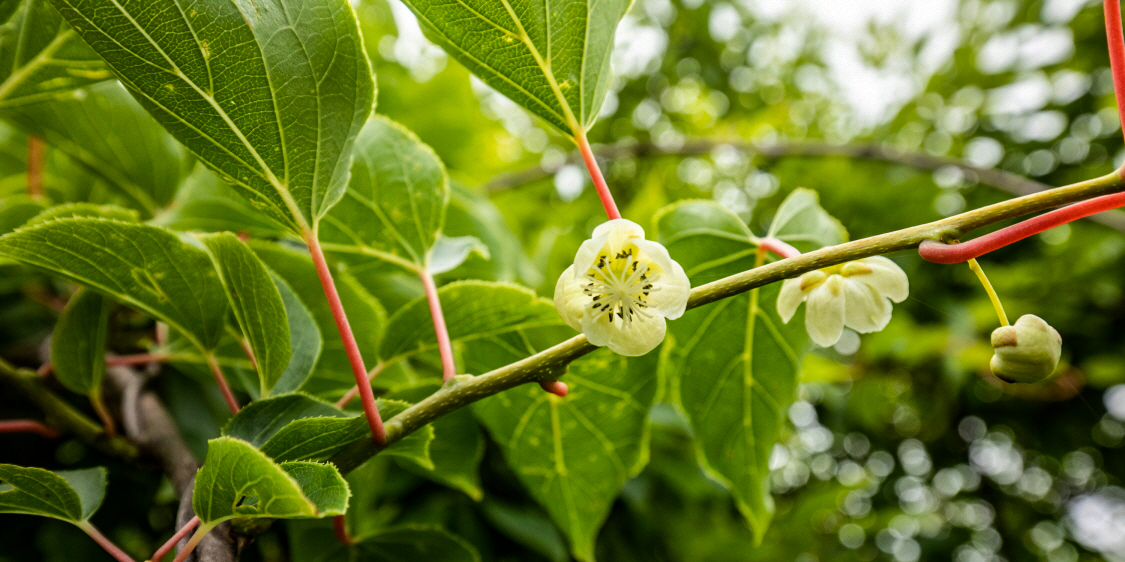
551,363
999,179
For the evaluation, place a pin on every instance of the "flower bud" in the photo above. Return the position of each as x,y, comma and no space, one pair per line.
1026,352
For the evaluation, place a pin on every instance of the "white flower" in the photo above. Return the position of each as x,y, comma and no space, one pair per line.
621,288
853,294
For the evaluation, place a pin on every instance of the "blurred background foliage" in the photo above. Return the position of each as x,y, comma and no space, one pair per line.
902,445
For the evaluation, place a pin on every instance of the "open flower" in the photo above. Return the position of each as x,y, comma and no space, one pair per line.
853,294
621,289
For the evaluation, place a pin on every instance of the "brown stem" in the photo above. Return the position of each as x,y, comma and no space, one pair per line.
35,150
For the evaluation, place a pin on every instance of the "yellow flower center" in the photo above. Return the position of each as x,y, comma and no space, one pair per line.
620,284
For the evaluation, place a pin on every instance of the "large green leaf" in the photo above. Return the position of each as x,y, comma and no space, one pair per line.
473,310
103,128
237,480
394,207
333,371
551,57
41,57
271,93
802,222
71,495
736,361
206,203
143,266
457,448
574,453
257,305
89,210
78,343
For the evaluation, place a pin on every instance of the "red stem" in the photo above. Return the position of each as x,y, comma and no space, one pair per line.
940,252
1116,54
217,371
596,175
448,368
27,426
340,525
249,352
378,368
35,167
378,433
176,538
778,247
558,388
118,361
105,543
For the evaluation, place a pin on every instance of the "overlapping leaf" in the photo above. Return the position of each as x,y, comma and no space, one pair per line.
802,222
78,344
737,363
271,93
70,495
458,444
395,204
573,454
41,57
206,203
257,306
551,57
143,266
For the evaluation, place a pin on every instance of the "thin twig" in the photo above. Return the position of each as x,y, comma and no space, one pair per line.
445,348
176,538
28,426
35,149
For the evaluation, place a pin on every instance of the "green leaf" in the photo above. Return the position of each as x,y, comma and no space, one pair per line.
450,252
142,266
206,203
368,319
72,495
551,57
394,207
471,214
41,57
89,210
16,210
104,129
299,427
457,448
305,340
573,454
737,362
802,222
78,344
270,94
414,543
237,480
256,303
473,310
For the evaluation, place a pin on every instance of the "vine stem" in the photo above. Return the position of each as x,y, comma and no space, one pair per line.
992,296
35,150
596,175
217,371
176,538
1116,42
370,409
192,543
105,543
28,426
445,348
940,252
551,363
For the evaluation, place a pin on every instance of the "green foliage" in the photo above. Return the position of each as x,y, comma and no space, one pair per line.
217,89
78,343
737,362
305,339
395,204
71,495
802,222
41,57
457,448
574,453
142,266
551,58
237,480
404,543
257,305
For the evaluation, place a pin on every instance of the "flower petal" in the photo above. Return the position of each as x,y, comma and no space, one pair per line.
886,277
824,318
865,310
674,287
617,231
570,301
639,337
790,297
588,254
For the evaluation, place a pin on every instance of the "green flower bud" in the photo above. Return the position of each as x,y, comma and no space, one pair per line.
1026,352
